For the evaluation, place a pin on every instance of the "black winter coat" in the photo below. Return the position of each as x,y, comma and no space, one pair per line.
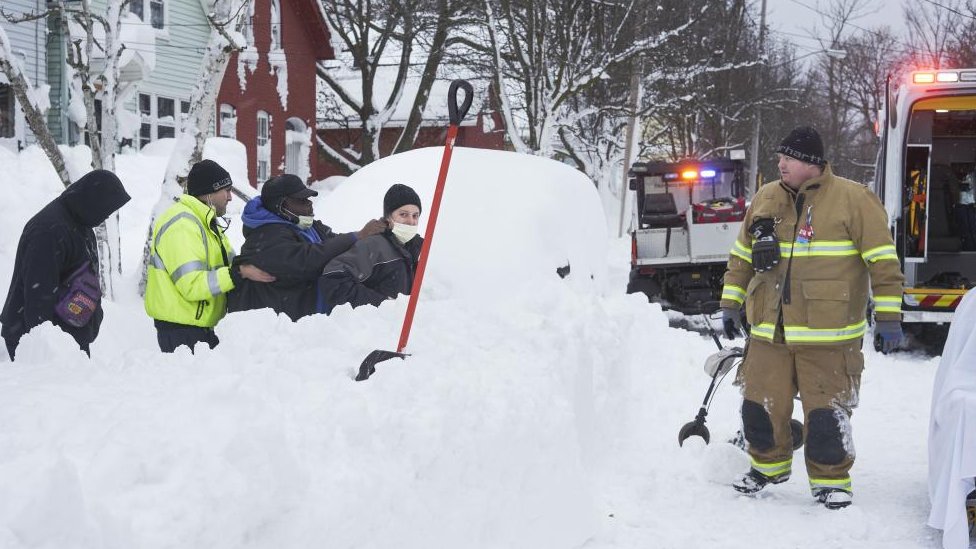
54,243
375,269
296,263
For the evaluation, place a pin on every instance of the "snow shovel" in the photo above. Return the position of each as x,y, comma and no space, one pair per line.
456,113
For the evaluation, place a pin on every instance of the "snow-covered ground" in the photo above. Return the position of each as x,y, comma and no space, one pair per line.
535,412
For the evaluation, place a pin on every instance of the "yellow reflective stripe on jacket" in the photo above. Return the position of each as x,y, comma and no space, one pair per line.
801,334
169,223
842,483
763,331
881,252
887,303
739,250
823,248
773,469
734,293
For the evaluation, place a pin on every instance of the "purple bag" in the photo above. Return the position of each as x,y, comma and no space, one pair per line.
79,297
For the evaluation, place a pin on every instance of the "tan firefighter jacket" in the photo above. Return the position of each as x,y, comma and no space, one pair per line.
831,250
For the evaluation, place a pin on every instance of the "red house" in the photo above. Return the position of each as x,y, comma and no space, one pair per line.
483,128
267,98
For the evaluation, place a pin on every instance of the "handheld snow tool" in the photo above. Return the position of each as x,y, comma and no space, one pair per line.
456,113
717,366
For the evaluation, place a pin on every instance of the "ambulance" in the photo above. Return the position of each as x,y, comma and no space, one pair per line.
925,176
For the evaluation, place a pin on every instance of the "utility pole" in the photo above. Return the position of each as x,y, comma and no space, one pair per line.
754,153
629,147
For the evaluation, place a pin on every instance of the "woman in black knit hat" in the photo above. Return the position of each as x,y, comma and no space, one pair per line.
381,266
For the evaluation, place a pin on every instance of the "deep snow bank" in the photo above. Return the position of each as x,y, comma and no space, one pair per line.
488,436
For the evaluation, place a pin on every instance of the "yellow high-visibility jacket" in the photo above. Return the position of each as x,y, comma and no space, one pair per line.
189,266
845,257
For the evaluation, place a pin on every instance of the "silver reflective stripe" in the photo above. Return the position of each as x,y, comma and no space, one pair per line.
177,217
214,283
157,262
186,269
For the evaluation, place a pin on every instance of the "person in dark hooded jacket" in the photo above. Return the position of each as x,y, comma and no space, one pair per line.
380,267
55,243
283,239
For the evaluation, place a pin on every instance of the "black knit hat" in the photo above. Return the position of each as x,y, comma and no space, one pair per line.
206,176
803,144
278,188
399,195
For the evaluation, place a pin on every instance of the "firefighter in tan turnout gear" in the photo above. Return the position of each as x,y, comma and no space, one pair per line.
813,249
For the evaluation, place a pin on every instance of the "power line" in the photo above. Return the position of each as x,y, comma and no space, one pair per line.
951,9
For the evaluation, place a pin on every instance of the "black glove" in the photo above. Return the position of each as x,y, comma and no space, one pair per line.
732,323
765,249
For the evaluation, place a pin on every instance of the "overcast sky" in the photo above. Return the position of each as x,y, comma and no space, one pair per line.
797,20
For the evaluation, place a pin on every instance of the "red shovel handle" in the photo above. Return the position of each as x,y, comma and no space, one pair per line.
457,113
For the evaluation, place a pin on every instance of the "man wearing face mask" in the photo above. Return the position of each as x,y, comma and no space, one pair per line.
283,239
190,268
380,267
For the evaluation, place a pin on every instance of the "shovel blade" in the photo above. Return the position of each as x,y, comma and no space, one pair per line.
694,428
368,367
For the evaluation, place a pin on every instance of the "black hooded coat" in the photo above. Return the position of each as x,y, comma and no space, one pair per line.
55,243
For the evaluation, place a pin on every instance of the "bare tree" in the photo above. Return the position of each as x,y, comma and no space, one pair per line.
931,29
544,53
31,101
382,42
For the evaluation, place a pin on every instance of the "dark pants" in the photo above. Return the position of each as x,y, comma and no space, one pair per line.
170,336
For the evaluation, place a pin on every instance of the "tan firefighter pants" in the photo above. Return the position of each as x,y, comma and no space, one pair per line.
827,379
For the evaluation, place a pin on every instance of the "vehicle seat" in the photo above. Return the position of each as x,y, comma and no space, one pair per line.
660,211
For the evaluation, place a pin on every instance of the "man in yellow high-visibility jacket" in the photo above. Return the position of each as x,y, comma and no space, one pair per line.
189,271
813,249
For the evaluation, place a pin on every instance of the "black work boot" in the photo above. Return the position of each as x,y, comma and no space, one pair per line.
833,498
753,481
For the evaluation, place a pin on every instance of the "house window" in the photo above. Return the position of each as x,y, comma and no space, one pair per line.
263,147
145,114
6,111
165,117
228,121
275,25
159,118
155,8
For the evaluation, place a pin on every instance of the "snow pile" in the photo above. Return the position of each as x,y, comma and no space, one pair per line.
507,220
534,411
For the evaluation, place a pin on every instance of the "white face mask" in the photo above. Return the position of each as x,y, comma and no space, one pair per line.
404,232
304,221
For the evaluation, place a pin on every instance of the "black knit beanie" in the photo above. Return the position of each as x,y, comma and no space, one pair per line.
206,176
805,145
399,195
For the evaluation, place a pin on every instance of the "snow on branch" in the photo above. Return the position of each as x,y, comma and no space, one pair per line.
34,103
